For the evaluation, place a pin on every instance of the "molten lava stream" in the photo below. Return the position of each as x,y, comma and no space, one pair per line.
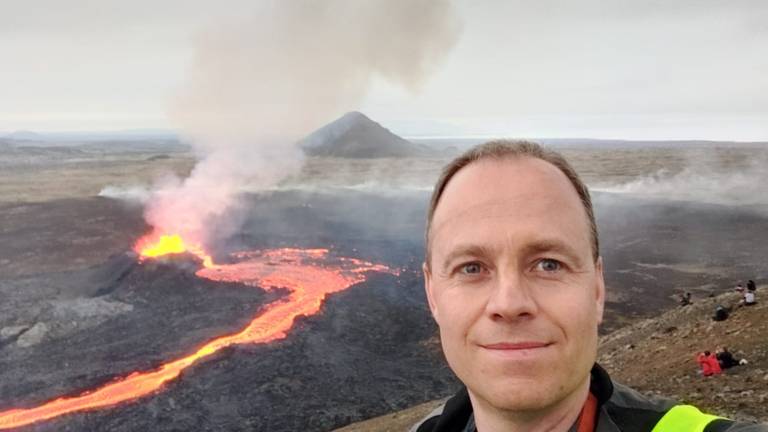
295,269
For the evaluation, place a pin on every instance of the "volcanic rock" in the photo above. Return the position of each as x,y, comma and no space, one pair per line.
354,135
10,332
89,307
33,336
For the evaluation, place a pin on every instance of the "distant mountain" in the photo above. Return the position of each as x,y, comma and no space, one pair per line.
620,143
354,135
90,136
129,140
461,143
23,135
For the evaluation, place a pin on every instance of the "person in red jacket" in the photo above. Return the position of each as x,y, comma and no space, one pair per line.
709,364
714,365
701,359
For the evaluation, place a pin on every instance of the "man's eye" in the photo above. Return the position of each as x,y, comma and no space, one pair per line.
549,265
471,268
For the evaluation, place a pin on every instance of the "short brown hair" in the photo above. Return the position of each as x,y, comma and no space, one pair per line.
501,149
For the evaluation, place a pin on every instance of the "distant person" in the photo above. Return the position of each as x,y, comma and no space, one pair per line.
749,298
701,359
751,285
514,280
739,288
713,363
721,313
708,363
685,299
725,358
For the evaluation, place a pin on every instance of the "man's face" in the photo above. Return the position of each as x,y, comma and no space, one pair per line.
513,285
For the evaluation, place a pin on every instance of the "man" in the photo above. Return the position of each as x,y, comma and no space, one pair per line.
514,280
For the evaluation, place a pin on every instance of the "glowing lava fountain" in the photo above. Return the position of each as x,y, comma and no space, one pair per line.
157,245
309,274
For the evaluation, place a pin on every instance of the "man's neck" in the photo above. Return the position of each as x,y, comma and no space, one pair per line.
556,418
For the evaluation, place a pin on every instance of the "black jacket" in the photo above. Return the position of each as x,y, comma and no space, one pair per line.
620,409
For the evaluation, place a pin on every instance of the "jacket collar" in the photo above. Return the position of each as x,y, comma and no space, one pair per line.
458,408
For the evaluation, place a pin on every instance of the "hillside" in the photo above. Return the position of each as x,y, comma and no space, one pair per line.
354,135
657,356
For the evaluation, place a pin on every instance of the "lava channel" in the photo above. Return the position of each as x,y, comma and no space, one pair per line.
309,274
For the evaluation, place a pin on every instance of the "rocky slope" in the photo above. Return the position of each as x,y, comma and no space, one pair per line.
657,356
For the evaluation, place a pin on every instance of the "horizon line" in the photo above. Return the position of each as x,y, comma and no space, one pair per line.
175,133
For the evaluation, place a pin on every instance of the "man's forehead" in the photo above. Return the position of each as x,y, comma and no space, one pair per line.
497,186
493,207
509,197
544,215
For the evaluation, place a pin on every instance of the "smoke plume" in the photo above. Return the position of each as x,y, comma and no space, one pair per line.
259,83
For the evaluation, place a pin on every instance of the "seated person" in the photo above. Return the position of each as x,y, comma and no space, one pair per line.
685,299
749,298
725,358
721,313
714,365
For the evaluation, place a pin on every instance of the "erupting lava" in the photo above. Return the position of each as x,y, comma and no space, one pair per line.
157,245
309,274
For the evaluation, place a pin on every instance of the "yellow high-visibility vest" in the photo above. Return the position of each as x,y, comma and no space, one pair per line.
684,418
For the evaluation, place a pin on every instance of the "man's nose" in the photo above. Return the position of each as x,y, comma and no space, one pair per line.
512,297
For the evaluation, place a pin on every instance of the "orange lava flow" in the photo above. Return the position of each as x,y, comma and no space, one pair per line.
309,274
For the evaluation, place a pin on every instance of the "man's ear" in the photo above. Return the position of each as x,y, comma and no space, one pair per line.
428,289
599,289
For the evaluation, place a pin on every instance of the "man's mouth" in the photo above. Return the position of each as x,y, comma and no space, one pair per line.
516,346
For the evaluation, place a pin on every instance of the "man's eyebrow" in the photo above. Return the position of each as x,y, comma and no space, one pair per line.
551,245
465,250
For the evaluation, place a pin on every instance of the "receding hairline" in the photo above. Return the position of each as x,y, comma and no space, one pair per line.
545,168
510,150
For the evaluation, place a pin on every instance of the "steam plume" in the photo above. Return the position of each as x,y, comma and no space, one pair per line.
260,83
732,177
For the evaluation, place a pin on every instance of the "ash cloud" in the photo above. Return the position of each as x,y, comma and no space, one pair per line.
261,82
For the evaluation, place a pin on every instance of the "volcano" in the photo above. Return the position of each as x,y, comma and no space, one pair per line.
354,135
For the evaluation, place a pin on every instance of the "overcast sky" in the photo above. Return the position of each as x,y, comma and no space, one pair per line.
618,69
